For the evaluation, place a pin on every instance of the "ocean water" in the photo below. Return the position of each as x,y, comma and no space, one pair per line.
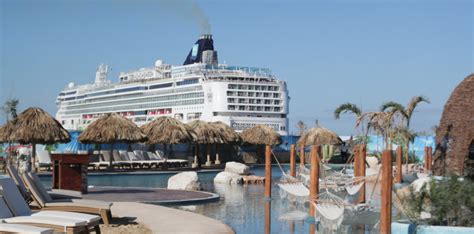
243,207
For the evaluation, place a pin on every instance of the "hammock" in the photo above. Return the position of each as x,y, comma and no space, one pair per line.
296,189
330,210
354,188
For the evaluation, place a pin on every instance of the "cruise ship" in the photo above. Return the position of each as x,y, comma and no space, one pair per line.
200,89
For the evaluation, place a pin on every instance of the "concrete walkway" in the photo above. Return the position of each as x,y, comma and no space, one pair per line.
167,220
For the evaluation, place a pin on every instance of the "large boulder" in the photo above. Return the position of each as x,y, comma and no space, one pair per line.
237,168
228,178
185,181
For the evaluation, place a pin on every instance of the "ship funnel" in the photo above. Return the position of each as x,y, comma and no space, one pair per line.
202,51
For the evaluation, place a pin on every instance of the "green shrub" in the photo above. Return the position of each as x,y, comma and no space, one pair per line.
449,201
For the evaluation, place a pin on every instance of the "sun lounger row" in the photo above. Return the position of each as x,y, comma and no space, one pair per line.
14,210
44,201
137,159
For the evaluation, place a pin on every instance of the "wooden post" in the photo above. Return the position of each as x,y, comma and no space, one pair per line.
268,217
398,179
293,160
426,157
430,157
33,158
268,171
362,156
386,199
314,177
302,160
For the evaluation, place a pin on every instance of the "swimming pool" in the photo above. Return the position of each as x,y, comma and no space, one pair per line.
241,206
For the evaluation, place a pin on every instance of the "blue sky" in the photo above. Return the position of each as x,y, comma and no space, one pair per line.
329,52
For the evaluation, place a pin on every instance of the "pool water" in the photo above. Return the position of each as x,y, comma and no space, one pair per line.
242,207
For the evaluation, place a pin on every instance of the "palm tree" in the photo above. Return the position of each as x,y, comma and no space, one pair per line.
406,113
10,108
301,127
352,109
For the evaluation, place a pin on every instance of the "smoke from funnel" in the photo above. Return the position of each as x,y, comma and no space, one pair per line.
189,10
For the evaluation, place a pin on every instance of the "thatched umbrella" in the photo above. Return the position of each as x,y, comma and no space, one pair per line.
36,126
112,128
229,134
205,134
167,130
319,136
263,135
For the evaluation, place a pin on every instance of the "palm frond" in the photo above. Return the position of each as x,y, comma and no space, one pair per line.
347,108
414,103
394,107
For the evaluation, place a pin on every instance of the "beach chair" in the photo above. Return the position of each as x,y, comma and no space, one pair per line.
125,156
58,224
119,161
24,229
18,207
45,202
54,193
43,160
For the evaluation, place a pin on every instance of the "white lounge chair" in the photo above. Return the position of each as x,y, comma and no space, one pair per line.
43,159
24,229
45,202
18,206
58,224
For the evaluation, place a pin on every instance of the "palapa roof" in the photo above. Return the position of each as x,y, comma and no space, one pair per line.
319,136
261,135
456,131
36,126
5,131
229,134
168,130
112,128
206,133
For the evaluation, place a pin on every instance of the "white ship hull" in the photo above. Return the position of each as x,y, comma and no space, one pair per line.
241,97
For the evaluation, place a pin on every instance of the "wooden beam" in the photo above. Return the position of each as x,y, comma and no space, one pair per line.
293,160
268,171
314,177
386,199
398,178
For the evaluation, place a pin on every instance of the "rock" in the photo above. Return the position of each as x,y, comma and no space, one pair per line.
184,181
228,178
372,161
237,168
418,184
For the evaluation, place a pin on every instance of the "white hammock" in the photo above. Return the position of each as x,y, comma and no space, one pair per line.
354,188
296,189
330,211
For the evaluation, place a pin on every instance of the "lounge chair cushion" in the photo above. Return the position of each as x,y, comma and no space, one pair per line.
24,229
70,215
64,222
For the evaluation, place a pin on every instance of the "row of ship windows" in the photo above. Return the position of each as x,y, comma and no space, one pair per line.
243,126
141,100
253,101
252,94
131,89
254,108
254,87
142,106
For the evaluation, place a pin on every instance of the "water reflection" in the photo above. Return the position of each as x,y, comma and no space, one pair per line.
268,219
